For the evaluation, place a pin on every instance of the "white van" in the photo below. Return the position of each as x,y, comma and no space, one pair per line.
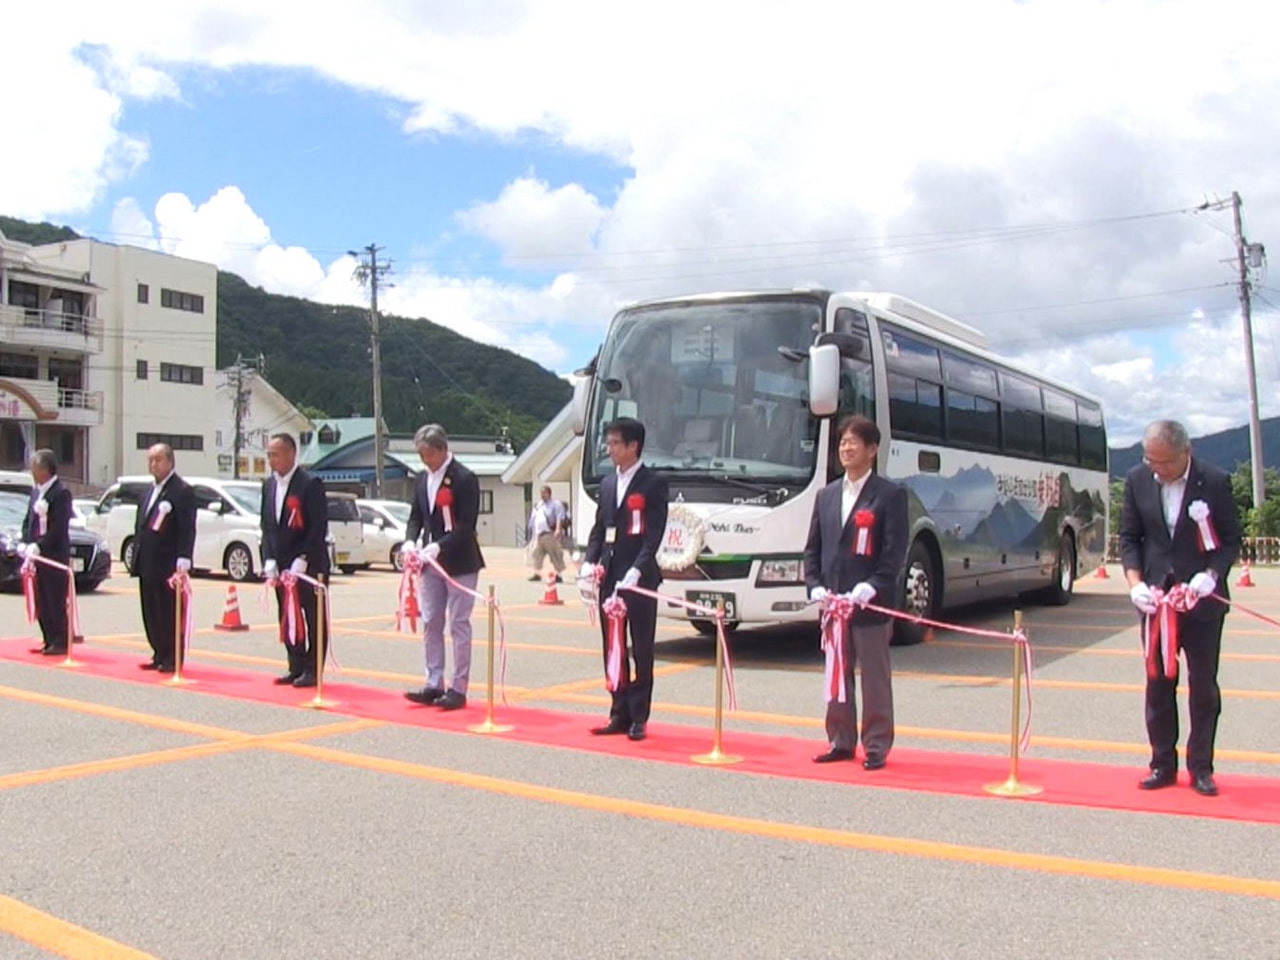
346,531
228,522
384,530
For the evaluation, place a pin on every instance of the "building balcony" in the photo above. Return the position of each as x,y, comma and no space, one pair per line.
80,408
49,330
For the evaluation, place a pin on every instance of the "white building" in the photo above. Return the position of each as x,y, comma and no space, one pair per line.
264,411
106,350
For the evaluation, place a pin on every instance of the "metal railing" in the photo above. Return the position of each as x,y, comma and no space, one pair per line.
1256,550
17,320
79,399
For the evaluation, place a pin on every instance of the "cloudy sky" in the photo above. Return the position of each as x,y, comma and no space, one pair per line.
1036,169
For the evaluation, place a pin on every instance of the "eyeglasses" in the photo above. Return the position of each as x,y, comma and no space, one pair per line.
1163,461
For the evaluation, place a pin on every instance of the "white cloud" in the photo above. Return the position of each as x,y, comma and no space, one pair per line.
531,220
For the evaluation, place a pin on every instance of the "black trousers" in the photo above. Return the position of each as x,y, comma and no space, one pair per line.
1201,642
302,652
158,604
634,696
51,605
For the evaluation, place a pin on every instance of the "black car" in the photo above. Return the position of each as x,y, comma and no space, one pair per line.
90,556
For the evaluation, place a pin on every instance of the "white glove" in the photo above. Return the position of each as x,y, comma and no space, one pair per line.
630,579
862,594
586,571
1141,597
409,546
269,570
183,564
1203,584
818,594
299,565
32,550
429,552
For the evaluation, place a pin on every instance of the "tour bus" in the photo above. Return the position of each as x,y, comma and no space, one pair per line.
1005,470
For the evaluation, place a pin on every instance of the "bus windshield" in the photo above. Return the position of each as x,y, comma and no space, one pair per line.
709,384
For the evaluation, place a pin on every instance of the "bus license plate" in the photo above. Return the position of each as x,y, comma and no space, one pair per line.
709,598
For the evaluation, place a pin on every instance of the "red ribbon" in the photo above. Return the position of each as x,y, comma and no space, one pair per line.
635,503
158,520
444,501
1160,630
864,520
836,611
293,509
407,598
293,628
29,590
615,611
180,584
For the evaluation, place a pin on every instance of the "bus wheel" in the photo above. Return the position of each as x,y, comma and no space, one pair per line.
707,628
1058,592
920,595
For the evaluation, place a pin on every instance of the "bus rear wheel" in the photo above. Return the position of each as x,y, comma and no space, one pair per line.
920,595
1058,592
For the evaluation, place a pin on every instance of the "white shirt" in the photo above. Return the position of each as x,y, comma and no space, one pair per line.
282,490
541,523
43,488
1171,495
850,490
156,490
434,479
624,481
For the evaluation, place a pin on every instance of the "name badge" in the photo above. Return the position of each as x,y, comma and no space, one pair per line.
610,534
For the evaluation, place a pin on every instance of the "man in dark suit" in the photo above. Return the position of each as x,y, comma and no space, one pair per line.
47,533
1171,501
165,537
858,546
624,542
295,525
442,527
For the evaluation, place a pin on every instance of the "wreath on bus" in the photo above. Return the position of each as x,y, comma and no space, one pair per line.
682,539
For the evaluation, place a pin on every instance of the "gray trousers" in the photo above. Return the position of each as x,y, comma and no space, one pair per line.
439,601
868,649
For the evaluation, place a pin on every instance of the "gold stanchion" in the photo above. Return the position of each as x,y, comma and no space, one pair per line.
1013,787
318,702
70,661
489,726
717,757
179,647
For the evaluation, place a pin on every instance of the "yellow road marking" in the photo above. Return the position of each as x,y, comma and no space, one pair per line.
53,935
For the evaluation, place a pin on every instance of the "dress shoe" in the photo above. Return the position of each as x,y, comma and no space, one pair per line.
875,762
559,579
285,679
54,651
452,700
425,696
636,731
534,578
308,679
38,650
164,667
610,729
1202,783
1159,778
834,754
149,665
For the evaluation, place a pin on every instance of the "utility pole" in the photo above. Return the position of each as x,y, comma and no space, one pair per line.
239,378
1244,253
370,271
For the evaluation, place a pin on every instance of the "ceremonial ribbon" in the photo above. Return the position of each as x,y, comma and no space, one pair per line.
1237,605
29,589
722,637
444,500
180,583
836,611
292,625
589,592
615,612
322,610
502,626
864,520
73,609
1199,512
1160,630
407,596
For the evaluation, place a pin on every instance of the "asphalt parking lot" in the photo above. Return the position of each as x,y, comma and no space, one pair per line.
145,820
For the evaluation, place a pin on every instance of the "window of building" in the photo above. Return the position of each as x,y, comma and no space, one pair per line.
181,373
178,300
486,501
26,295
142,369
21,365
144,293
179,441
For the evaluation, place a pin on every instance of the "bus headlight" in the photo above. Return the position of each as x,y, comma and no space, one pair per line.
779,572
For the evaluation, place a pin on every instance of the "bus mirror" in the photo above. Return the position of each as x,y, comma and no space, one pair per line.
824,379
578,405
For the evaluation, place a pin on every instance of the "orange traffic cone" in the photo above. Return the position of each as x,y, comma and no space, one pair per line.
231,612
1246,578
550,597
1101,573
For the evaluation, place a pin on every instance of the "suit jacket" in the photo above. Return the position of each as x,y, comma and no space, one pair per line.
56,542
459,548
633,545
1164,559
284,541
158,550
829,557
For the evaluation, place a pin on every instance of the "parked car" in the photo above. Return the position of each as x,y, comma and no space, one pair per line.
228,522
90,556
80,510
384,530
347,531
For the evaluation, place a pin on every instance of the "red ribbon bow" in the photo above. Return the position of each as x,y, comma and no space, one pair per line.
29,590
836,611
407,600
444,503
635,523
615,611
863,520
293,510
1160,630
293,628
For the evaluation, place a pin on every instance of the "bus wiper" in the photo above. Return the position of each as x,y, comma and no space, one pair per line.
724,478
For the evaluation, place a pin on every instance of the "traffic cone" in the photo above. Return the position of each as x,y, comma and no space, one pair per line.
550,597
1101,573
231,612
1246,578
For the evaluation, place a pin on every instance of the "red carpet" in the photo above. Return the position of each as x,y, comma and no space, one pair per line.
1252,799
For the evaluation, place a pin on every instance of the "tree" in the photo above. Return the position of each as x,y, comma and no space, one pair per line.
1263,522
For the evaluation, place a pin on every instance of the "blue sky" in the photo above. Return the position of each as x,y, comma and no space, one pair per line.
532,165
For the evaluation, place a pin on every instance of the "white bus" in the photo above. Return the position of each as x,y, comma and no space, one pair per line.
1006,471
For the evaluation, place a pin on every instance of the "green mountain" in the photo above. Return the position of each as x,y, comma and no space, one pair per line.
1226,449
318,356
